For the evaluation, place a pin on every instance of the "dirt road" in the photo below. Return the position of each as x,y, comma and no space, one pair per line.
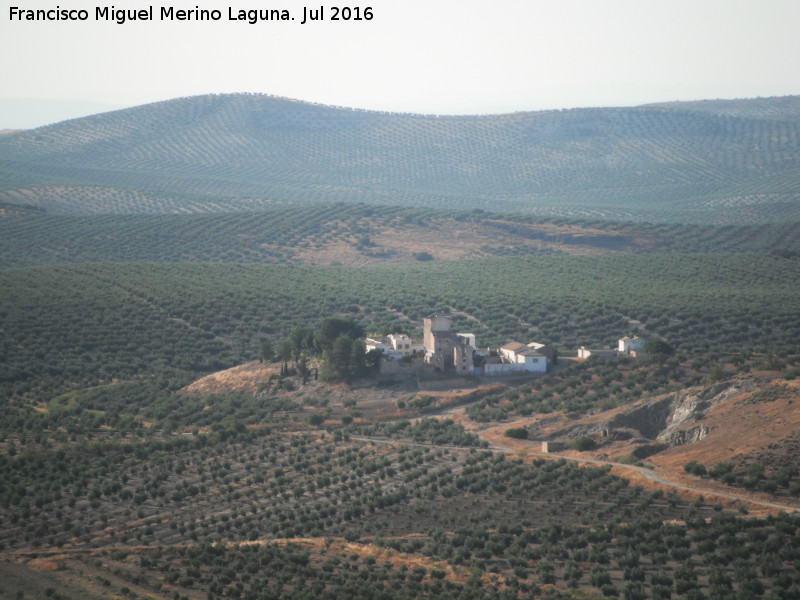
647,473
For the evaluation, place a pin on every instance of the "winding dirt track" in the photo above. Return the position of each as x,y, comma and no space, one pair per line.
647,473
653,476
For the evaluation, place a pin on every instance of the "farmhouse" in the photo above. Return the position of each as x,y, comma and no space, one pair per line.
447,351
519,358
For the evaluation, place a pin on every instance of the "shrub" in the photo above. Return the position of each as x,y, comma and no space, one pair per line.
518,433
695,468
315,420
627,459
582,444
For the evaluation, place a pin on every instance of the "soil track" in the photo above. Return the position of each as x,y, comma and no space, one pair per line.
524,450
641,472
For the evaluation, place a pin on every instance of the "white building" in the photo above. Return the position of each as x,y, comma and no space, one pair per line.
375,343
627,345
530,358
384,345
404,345
395,346
585,353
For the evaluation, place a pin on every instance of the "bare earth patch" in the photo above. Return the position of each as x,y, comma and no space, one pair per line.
739,428
763,418
448,239
374,399
242,378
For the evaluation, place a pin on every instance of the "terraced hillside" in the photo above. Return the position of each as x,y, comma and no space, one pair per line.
722,162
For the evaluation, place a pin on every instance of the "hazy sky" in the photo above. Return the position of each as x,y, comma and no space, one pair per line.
432,56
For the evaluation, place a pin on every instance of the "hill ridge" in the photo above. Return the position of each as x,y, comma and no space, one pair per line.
653,160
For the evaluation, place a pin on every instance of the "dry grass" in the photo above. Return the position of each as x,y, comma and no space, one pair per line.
448,239
241,378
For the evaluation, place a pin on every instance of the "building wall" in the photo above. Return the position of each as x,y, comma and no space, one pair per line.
508,355
429,326
536,364
374,344
445,350
463,359
602,353
441,353
627,344
389,367
497,370
403,344
469,338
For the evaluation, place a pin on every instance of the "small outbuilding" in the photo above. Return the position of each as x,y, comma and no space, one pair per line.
630,344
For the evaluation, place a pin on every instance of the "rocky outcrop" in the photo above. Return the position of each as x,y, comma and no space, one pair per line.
665,421
647,420
692,403
687,436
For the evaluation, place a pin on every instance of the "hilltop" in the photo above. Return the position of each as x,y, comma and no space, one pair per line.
703,162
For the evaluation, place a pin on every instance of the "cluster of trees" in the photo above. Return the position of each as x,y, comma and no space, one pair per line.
751,475
518,433
338,342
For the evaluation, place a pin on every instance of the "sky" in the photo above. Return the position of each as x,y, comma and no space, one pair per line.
424,56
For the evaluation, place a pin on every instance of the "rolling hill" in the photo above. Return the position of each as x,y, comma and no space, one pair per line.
154,260
715,162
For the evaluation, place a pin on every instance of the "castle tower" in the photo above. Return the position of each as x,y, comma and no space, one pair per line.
430,326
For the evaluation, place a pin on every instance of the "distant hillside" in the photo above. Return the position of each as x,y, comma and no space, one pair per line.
722,162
